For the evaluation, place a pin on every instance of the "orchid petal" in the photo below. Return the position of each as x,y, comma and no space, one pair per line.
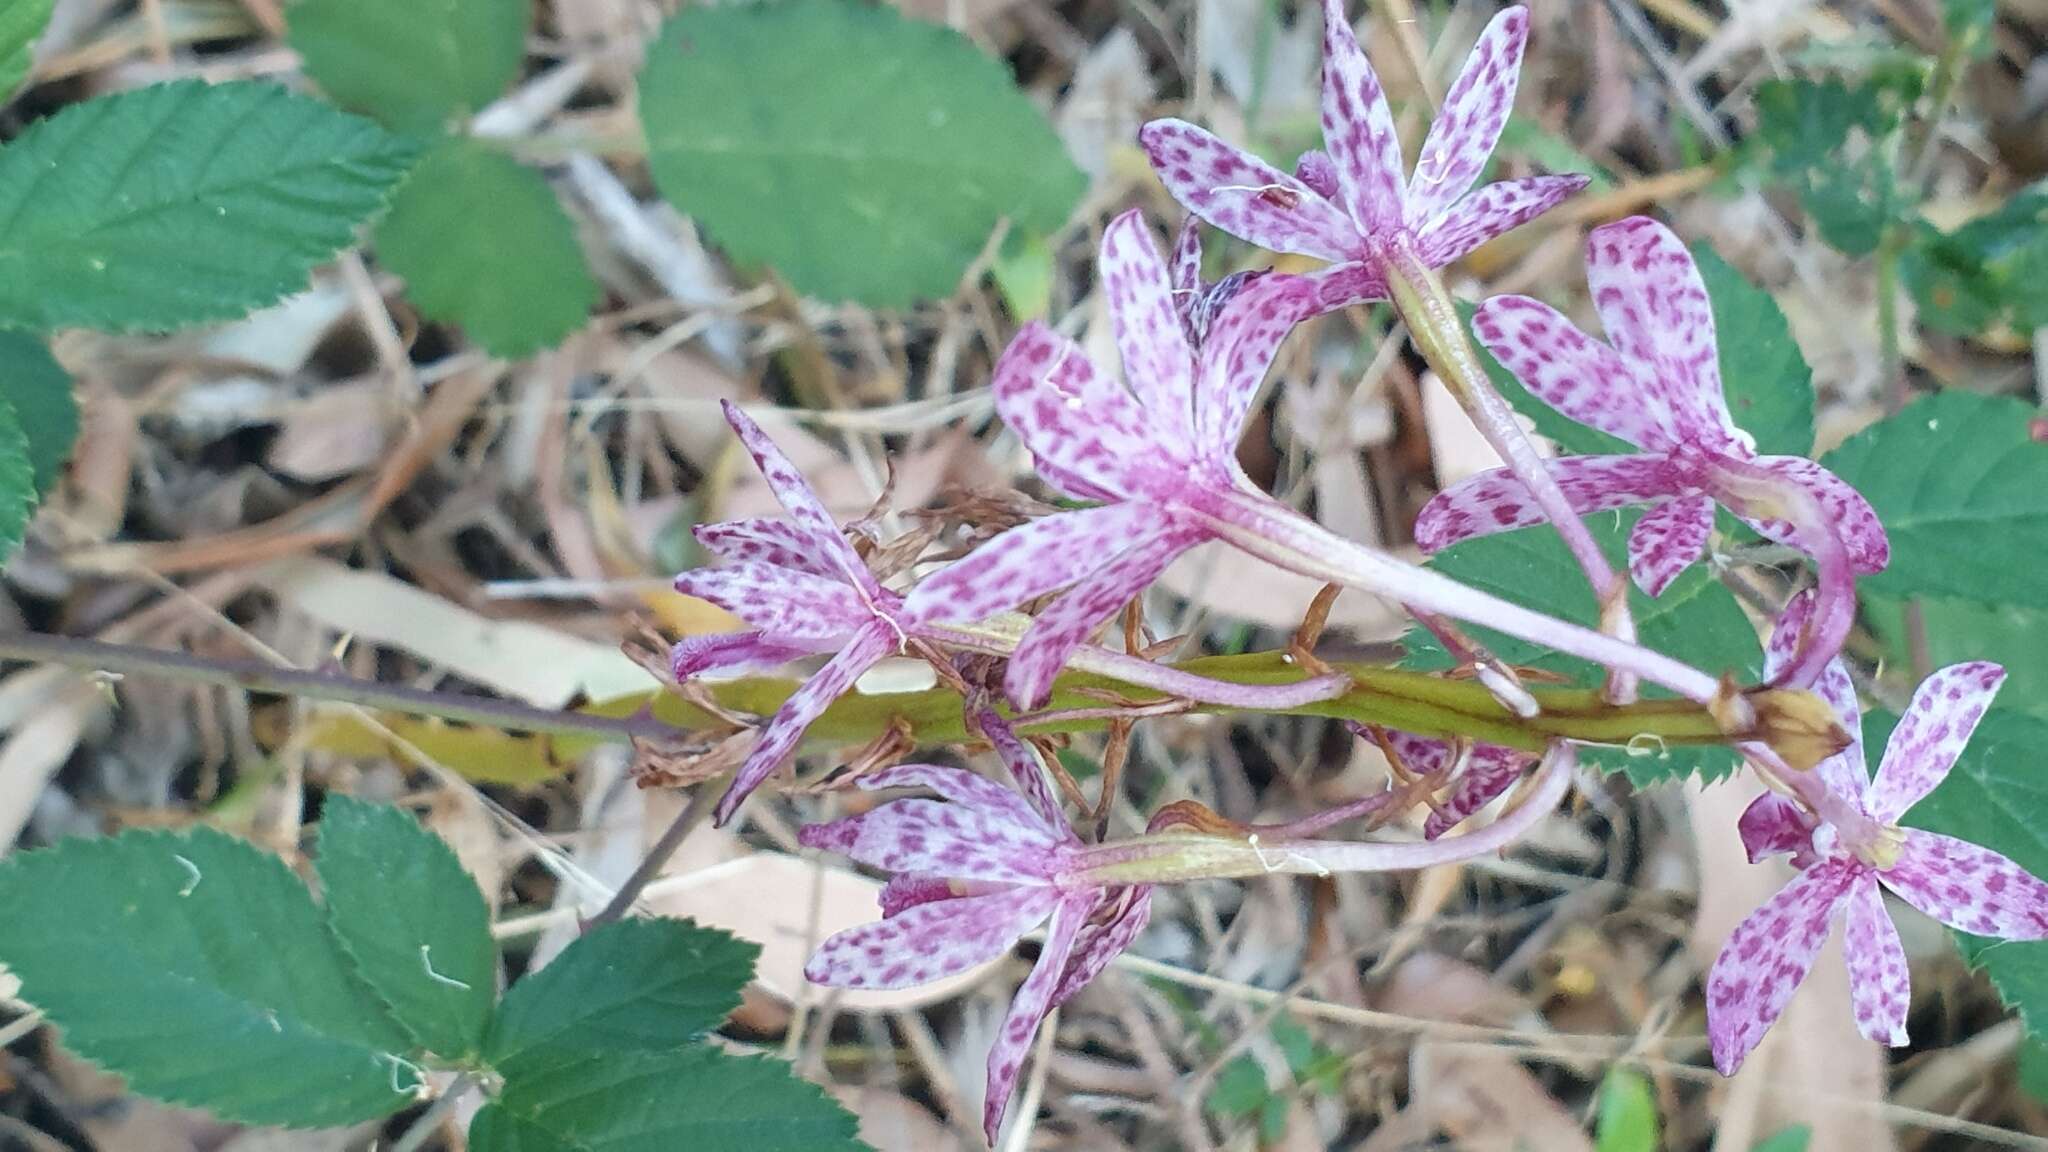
1666,541
799,501
1774,825
1238,351
782,543
1469,121
1489,771
1654,305
1101,940
1027,562
785,730
966,789
931,837
1245,196
1026,769
1495,210
929,941
1846,773
1880,987
1358,129
1767,956
784,604
1186,273
907,890
1027,1011
1847,513
1969,888
729,652
1158,357
1495,501
1067,621
1088,436
1316,170
1932,732
1572,372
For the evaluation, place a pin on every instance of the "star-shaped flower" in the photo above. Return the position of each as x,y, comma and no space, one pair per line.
972,875
1349,205
804,590
1843,871
1657,386
1153,453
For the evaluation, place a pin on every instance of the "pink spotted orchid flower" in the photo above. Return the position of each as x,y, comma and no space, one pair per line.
1480,774
1348,205
1197,303
1657,385
1843,870
972,875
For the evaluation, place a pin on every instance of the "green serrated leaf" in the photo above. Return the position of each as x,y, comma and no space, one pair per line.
1994,796
1628,1114
1962,489
1696,620
17,480
408,914
1764,378
697,1098
1960,630
198,968
447,234
21,25
182,203
416,65
1239,1088
39,391
632,986
863,155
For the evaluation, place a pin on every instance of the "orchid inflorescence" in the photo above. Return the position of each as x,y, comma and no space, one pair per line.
1152,463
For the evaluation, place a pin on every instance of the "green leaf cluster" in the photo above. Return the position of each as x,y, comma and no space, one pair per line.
1834,141
862,155
480,238
204,972
1240,1091
1991,271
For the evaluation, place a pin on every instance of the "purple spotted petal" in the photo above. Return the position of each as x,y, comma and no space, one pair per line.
1245,196
1186,274
1158,357
1026,770
1880,989
965,788
779,542
1847,512
1654,306
1666,541
1469,122
1489,771
1315,170
1067,621
931,837
1494,501
1846,773
1774,825
1494,210
929,941
1027,562
729,652
1088,436
1969,888
785,730
1240,345
1572,372
1767,956
907,890
799,501
1358,130
1932,732
1116,923
783,604
1027,1011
